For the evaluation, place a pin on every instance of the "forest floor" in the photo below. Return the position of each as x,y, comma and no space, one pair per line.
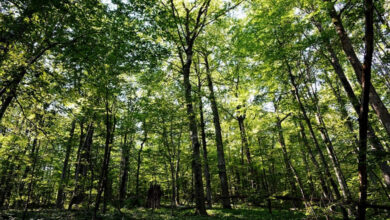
162,213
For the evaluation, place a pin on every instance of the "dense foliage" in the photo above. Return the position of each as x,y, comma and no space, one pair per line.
274,103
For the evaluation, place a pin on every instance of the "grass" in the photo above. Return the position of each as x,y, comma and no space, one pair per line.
163,213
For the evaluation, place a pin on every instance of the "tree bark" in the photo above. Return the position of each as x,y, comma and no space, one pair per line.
178,182
10,92
139,161
325,189
347,46
312,133
34,151
187,34
316,143
63,181
124,173
82,166
196,161
218,139
204,145
290,168
363,117
331,152
103,180
385,168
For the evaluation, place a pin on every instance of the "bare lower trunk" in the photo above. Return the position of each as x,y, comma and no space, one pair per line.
34,151
205,158
204,143
331,152
363,117
139,161
124,173
325,188
104,170
196,161
347,46
289,165
10,93
82,166
177,175
218,139
316,143
385,168
60,193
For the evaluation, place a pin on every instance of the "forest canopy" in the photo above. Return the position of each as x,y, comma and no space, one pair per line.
238,109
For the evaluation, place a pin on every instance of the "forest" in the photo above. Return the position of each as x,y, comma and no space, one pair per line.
194,109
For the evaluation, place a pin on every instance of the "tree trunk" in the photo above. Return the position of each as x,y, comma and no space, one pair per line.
139,160
196,161
385,168
287,163
108,186
103,180
6,173
170,157
11,93
124,173
20,73
177,175
82,167
63,181
34,151
290,168
218,140
309,124
331,153
244,139
312,133
204,145
363,117
347,46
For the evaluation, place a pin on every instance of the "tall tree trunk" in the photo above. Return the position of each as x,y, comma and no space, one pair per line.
312,133
347,46
103,180
139,161
10,92
316,143
178,182
124,173
385,168
63,181
188,33
290,168
204,145
196,161
244,140
218,140
108,186
169,146
34,151
6,173
307,168
82,166
363,117
81,145
329,146
173,180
